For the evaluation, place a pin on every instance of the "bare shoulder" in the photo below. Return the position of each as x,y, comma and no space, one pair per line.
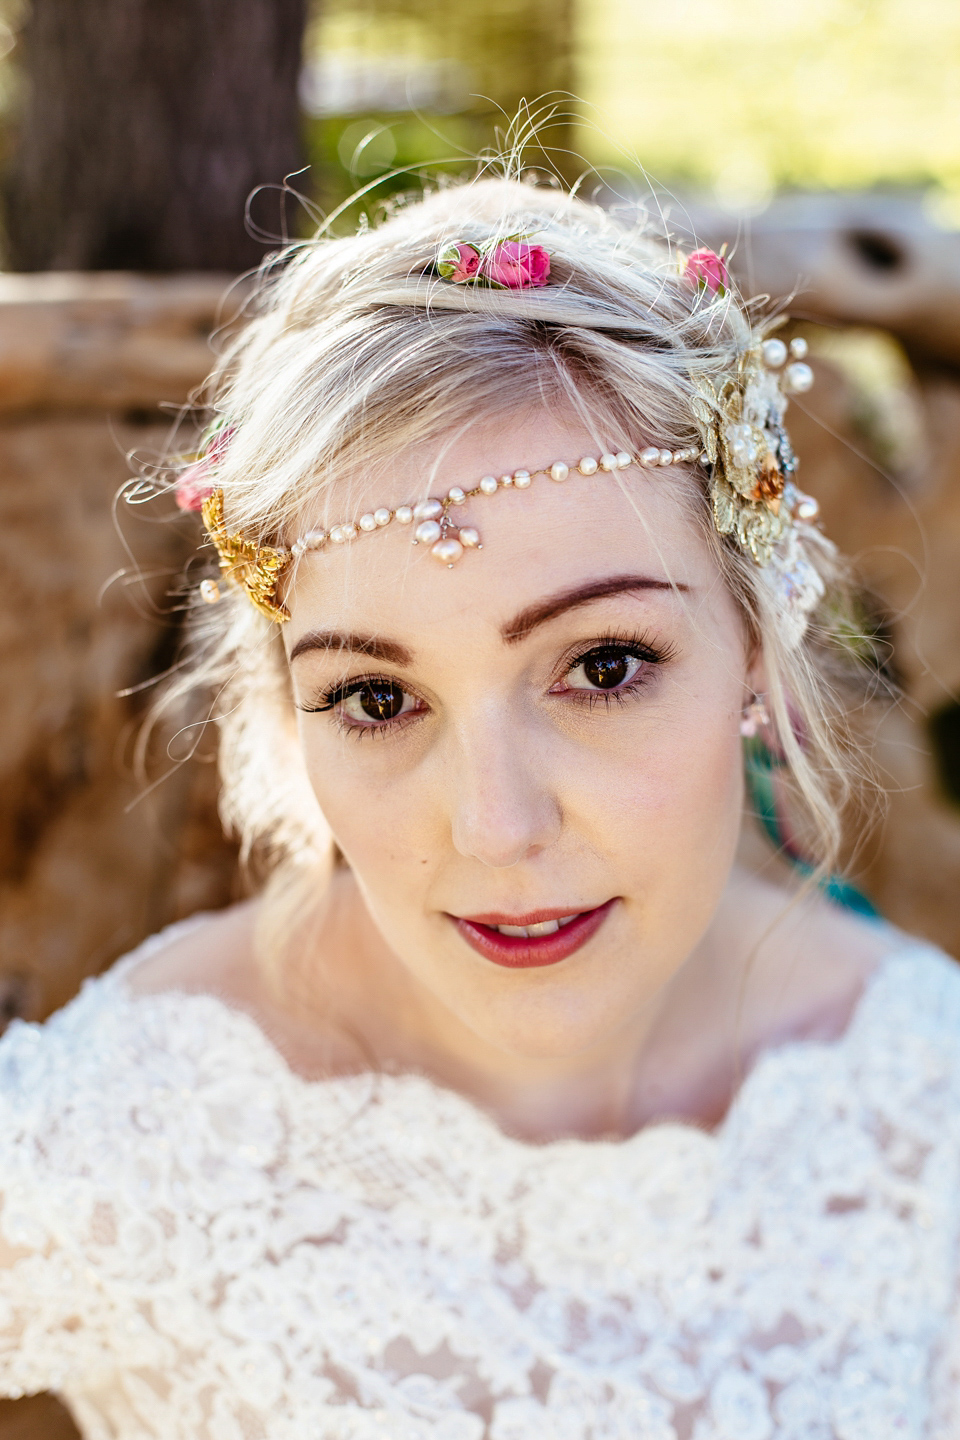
214,955
218,956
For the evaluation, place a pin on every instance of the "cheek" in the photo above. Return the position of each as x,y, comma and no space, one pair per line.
371,808
668,797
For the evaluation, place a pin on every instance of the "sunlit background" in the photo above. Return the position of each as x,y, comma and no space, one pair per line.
736,99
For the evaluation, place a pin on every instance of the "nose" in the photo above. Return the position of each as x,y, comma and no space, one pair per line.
504,808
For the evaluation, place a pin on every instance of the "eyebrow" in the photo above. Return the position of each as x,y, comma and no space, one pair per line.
517,629
378,649
512,631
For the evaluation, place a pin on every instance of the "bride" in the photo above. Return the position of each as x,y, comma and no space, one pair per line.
516,1107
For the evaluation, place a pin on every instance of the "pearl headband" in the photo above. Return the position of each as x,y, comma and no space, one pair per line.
259,569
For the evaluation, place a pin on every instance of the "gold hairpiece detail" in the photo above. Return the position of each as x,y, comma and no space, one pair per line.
257,569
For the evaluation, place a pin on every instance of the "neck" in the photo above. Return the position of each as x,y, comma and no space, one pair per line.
609,1089
682,1057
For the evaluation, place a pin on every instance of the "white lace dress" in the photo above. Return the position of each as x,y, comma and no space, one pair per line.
218,1250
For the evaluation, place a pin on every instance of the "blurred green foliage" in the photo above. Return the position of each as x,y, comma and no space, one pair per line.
747,96
738,98
392,86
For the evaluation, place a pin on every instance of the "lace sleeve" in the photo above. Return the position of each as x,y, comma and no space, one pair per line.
55,1311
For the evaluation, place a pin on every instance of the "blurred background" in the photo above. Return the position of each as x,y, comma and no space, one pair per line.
143,152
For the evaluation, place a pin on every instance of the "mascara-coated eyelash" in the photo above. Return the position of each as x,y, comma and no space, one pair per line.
615,667
381,699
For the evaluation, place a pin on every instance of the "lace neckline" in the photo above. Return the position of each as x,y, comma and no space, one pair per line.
356,1091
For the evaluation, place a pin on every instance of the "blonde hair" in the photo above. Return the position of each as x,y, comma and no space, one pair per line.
355,350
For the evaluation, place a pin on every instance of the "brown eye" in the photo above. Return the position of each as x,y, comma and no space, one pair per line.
379,700
605,668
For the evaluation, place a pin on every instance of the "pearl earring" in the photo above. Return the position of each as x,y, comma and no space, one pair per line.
754,718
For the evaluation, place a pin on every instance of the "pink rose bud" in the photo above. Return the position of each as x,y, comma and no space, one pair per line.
458,263
196,482
517,265
194,486
707,270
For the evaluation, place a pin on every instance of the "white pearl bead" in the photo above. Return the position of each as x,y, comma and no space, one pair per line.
367,522
470,538
488,485
314,539
608,462
337,535
349,532
446,551
427,532
455,495
209,591
521,479
624,461
382,516
704,459
650,456
427,510
587,466
799,348
774,354
298,548
666,457
806,508
506,479
559,471
797,378
404,514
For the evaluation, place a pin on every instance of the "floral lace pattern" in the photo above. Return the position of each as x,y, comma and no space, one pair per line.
214,1249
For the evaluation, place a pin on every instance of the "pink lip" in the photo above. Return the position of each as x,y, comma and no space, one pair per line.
517,952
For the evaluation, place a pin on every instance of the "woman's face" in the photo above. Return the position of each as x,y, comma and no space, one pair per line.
550,729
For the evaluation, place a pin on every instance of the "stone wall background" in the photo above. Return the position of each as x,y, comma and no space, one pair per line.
89,864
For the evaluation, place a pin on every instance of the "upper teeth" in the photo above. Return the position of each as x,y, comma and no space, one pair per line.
543,927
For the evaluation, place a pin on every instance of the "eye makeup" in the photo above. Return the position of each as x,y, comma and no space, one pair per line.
612,667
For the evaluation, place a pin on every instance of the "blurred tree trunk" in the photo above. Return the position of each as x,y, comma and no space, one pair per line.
146,126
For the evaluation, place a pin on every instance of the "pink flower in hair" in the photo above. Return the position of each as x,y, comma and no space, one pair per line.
195,484
459,263
516,265
706,270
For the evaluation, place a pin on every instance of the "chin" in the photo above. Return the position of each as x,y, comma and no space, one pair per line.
547,1026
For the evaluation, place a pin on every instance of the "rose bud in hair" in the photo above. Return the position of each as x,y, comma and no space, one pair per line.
707,271
517,265
459,263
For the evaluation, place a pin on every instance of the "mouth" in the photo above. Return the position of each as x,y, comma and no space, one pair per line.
524,942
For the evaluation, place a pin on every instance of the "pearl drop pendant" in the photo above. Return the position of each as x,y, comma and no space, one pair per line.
431,517
447,551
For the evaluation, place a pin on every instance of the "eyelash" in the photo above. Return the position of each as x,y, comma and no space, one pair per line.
635,646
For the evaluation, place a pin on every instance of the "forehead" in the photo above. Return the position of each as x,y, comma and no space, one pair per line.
536,542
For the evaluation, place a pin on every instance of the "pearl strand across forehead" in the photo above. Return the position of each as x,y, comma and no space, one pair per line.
259,569
436,527
745,451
